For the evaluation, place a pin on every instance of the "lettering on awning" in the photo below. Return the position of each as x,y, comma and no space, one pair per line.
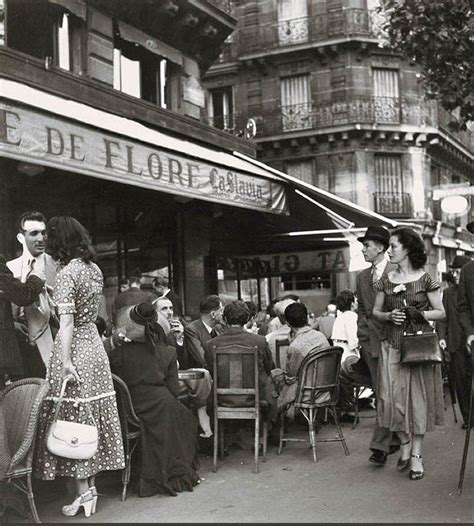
40,138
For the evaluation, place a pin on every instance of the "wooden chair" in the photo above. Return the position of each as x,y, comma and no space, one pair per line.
281,347
317,389
229,364
21,404
131,428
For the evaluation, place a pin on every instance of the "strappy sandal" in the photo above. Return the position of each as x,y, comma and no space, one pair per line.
402,463
416,475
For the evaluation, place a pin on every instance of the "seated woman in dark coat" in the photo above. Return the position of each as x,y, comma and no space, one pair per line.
169,434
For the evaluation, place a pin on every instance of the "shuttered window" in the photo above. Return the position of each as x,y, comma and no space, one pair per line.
386,95
390,198
292,21
296,103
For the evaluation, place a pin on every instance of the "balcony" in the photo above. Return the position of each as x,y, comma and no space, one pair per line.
338,24
354,110
393,204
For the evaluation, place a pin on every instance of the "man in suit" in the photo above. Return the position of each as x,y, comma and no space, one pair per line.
200,331
465,309
235,316
198,389
364,371
283,331
451,338
33,321
161,284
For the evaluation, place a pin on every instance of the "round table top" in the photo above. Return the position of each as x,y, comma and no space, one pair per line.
190,375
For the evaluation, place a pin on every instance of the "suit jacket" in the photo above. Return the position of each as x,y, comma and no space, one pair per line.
196,336
450,329
369,330
50,268
238,336
465,306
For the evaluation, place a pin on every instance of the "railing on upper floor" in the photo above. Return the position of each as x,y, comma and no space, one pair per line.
342,23
393,204
276,119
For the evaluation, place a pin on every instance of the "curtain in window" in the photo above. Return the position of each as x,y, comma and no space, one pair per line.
296,103
292,21
386,95
390,198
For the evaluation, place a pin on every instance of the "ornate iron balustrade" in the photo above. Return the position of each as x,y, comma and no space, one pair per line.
342,23
393,204
223,122
354,110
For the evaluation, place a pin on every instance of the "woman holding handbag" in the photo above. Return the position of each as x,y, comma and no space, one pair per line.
81,387
410,397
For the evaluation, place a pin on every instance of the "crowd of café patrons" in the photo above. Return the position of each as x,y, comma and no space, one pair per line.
55,326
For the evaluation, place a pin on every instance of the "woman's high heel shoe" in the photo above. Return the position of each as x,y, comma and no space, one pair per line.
403,463
416,475
85,500
95,495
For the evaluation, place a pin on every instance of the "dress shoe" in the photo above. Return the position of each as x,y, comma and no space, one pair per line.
464,425
393,449
378,457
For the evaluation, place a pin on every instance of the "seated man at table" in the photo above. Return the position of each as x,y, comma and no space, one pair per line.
236,315
198,389
169,444
303,339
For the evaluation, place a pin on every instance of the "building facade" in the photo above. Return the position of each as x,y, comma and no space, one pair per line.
323,101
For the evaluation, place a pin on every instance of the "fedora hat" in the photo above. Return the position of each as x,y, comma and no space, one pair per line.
133,320
376,233
460,261
470,227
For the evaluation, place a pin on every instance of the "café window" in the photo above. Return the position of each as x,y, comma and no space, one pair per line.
141,73
306,281
221,108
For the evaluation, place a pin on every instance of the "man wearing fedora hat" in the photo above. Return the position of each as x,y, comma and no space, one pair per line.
364,371
450,336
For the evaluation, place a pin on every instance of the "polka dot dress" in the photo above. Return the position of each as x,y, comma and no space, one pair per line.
77,291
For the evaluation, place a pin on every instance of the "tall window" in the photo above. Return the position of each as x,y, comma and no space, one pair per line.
221,108
140,73
296,104
292,21
302,170
386,95
390,198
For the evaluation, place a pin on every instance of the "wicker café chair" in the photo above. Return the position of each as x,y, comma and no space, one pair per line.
21,404
131,428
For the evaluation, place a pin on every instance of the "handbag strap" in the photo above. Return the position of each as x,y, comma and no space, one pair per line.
60,401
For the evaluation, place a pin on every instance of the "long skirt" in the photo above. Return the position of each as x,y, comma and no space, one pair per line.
410,398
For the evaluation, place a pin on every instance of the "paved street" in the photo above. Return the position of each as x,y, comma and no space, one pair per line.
291,488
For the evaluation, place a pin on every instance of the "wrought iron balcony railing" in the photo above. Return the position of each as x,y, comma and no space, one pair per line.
393,204
276,119
341,23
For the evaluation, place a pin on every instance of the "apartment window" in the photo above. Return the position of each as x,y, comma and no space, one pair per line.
292,21
296,104
302,170
221,108
68,43
141,73
386,95
390,198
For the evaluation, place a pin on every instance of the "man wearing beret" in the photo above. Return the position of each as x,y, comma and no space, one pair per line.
450,336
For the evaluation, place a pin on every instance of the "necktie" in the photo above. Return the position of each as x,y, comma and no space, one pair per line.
374,275
213,333
31,266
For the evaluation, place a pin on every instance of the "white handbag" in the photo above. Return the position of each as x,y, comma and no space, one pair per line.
71,439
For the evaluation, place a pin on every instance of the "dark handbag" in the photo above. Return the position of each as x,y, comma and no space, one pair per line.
420,348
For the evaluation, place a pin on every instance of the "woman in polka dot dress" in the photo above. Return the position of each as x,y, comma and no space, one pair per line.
78,352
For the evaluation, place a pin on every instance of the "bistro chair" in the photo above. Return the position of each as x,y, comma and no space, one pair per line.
236,373
131,428
281,346
21,404
317,389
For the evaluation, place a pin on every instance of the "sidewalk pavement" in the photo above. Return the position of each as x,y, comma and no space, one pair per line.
291,488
